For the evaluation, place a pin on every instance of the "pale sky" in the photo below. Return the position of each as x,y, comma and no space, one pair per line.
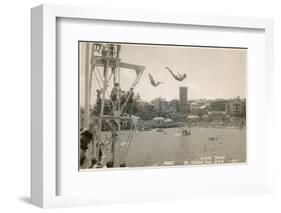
211,72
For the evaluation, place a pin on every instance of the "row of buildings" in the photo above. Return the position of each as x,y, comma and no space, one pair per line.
182,107
233,107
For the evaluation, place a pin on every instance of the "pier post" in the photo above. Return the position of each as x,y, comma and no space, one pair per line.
86,103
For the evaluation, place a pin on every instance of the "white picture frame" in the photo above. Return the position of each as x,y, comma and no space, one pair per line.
44,170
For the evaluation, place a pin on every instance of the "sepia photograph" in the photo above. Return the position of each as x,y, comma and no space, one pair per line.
155,105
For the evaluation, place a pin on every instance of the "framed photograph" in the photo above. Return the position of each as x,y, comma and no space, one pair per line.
133,106
127,121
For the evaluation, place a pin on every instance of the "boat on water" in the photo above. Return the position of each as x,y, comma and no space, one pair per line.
212,138
186,132
169,163
145,129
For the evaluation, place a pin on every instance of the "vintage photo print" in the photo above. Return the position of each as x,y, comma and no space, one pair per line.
148,105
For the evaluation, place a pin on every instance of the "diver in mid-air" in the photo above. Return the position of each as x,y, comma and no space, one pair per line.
152,81
178,77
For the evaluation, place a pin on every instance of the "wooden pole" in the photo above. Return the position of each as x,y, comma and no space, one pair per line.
102,105
91,72
104,86
86,103
114,139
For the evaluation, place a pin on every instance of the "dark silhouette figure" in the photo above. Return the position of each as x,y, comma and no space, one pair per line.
178,77
130,101
152,81
85,139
